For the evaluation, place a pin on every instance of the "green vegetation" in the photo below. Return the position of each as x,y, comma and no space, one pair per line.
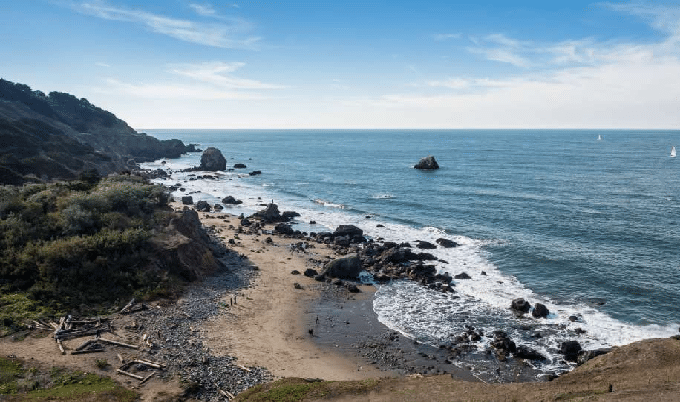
19,384
298,389
80,243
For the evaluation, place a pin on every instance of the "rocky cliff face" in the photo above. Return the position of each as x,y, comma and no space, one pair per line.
59,136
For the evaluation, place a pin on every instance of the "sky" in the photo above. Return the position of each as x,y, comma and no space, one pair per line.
353,64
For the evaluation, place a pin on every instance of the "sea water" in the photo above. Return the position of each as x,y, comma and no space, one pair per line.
588,227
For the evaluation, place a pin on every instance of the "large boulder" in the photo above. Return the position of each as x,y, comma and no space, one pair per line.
347,268
570,350
212,160
427,163
348,230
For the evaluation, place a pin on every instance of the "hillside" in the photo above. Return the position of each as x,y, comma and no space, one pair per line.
58,136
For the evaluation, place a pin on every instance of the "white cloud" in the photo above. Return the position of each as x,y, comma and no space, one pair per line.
440,37
453,83
226,34
206,10
172,91
219,74
502,55
102,64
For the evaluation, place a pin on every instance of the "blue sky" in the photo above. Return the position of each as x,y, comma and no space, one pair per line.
353,64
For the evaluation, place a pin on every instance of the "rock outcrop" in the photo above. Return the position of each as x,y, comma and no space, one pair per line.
427,163
58,136
212,160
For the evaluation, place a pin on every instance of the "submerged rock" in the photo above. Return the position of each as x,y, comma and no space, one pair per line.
427,163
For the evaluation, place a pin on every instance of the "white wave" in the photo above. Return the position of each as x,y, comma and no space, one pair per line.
384,196
415,310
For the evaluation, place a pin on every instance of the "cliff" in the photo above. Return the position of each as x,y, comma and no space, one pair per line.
58,136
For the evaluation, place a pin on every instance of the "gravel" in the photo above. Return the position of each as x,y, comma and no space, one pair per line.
176,341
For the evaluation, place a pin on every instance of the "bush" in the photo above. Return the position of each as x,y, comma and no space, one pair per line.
62,245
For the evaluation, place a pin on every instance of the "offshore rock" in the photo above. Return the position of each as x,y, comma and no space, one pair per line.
427,163
212,160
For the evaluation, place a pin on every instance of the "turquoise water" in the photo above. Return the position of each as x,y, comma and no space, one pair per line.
590,227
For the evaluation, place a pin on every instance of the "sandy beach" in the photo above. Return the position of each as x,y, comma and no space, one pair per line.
270,322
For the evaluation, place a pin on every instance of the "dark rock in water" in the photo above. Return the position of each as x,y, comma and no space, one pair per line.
188,200
484,273
284,228
289,215
203,206
425,257
503,344
346,268
520,305
255,172
462,275
424,245
212,160
309,272
570,350
585,355
218,207
446,243
540,311
229,200
348,230
573,318
379,226
524,352
427,163
239,166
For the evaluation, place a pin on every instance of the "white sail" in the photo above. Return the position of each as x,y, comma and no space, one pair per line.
599,137
673,152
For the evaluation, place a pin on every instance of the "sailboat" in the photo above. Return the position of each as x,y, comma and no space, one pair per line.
599,137
673,152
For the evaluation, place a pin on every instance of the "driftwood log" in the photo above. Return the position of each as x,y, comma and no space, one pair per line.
139,377
118,343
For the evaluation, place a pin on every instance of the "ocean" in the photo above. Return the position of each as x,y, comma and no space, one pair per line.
589,227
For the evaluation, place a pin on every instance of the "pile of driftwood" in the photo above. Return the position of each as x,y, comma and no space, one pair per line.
133,307
138,365
69,327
